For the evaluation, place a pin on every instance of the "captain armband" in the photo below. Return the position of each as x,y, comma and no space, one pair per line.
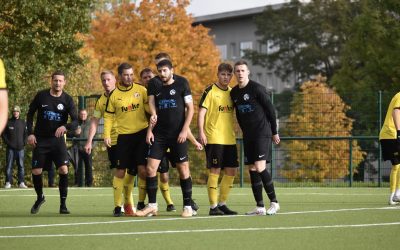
188,99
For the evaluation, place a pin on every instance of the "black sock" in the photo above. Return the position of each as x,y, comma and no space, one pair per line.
268,185
256,186
63,188
38,184
151,187
186,186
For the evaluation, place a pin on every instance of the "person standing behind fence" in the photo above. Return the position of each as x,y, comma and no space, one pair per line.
53,108
14,136
216,133
83,157
389,138
256,116
3,98
127,106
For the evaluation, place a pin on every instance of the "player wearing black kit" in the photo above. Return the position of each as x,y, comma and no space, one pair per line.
167,102
256,117
53,107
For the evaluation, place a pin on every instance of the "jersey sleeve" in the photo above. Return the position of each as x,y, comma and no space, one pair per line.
205,98
109,117
2,76
265,101
396,101
73,114
187,94
98,111
152,88
33,106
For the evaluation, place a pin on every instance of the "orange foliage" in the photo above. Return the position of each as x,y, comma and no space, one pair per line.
135,34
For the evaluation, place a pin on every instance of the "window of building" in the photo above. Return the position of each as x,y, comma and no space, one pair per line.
233,51
223,51
244,46
259,78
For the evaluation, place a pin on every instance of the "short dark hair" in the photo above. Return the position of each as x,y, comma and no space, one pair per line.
225,67
241,62
162,55
145,70
164,63
58,73
123,66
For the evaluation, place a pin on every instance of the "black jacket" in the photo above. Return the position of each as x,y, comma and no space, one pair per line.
15,134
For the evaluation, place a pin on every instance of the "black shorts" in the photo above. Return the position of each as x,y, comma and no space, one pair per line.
131,151
221,156
178,151
390,151
50,149
257,150
112,156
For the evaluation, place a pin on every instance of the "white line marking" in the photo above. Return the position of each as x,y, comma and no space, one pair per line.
202,231
179,218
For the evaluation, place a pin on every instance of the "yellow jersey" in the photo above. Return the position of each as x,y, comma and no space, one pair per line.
99,110
127,106
218,123
389,130
2,76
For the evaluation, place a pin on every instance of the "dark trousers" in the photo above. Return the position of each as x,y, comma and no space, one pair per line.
85,159
18,156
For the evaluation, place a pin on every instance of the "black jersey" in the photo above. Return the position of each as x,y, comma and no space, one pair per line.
254,111
52,112
170,105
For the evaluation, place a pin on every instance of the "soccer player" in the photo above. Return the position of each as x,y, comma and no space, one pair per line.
127,107
167,104
53,107
256,116
3,98
389,138
216,133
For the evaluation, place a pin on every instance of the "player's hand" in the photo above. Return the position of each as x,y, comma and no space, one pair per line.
60,131
198,146
202,138
88,147
153,120
107,142
31,140
149,137
182,136
276,139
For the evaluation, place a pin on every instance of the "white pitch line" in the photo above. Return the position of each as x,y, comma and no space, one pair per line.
179,218
202,230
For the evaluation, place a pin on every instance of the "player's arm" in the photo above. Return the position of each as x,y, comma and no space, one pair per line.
200,124
193,140
269,111
33,106
3,108
73,125
153,111
396,120
94,122
189,115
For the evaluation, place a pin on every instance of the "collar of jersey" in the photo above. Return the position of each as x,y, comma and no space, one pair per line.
123,88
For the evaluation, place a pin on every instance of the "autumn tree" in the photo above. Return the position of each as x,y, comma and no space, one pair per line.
37,37
135,34
318,111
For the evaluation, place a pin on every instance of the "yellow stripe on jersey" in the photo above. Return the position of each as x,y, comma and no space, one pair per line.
388,130
99,110
218,124
2,76
128,105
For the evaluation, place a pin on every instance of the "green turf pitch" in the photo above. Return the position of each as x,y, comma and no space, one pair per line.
310,218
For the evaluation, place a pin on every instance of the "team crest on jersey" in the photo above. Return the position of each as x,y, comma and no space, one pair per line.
60,106
246,97
215,161
136,95
172,92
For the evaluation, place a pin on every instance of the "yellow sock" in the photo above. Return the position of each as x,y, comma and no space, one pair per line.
226,186
118,185
212,187
393,178
164,188
128,187
142,189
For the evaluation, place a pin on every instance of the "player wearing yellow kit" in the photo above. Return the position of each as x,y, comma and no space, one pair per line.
389,138
216,133
127,107
3,98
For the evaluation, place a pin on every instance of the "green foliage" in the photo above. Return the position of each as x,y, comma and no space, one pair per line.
37,37
370,59
318,111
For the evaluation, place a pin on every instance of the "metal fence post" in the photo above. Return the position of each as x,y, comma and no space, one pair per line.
379,145
241,163
350,162
81,102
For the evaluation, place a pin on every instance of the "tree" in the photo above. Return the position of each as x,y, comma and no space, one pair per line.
303,39
370,61
318,111
37,37
135,34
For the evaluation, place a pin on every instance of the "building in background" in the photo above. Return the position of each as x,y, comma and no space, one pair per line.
234,32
